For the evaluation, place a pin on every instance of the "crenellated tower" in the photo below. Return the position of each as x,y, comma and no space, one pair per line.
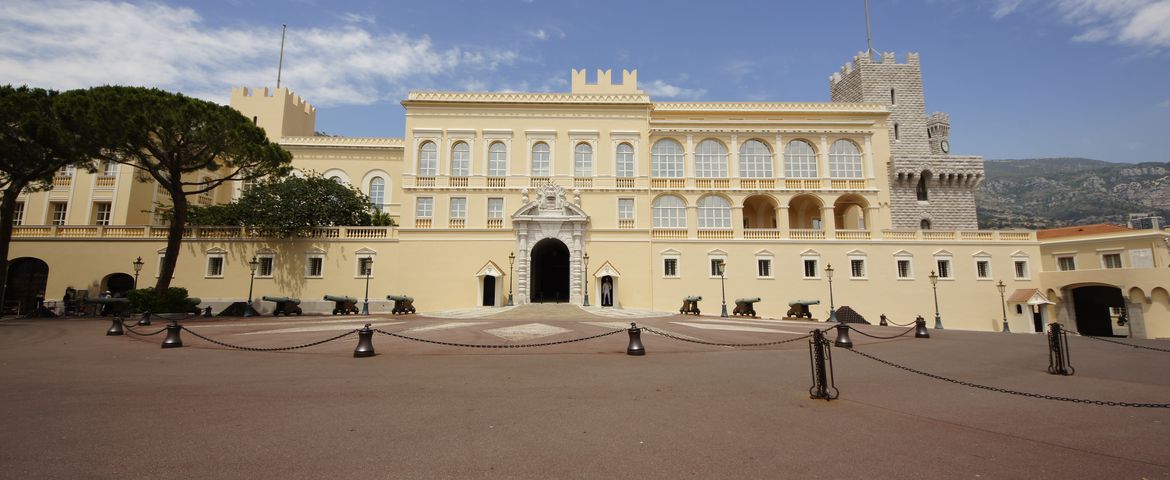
929,187
280,113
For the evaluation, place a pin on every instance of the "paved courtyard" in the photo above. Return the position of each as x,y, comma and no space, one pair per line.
79,404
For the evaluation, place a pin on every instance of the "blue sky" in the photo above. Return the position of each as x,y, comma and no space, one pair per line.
1020,78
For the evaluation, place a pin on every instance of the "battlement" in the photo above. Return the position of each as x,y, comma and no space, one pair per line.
604,83
938,117
863,59
294,100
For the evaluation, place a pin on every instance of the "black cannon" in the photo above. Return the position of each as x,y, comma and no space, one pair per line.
799,308
193,305
690,305
111,306
402,304
343,305
284,305
745,306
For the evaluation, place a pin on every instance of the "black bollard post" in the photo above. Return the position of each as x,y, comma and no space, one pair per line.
1058,361
173,340
843,339
145,320
116,327
920,330
884,323
821,362
635,347
365,346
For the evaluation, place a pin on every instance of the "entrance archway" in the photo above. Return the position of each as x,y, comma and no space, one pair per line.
1092,304
117,284
26,281
550,271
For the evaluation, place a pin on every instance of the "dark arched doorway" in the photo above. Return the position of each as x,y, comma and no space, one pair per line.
489,291
1092,306
26,281
550,271
117,284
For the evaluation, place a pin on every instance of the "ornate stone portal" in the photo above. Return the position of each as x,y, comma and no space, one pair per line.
549,215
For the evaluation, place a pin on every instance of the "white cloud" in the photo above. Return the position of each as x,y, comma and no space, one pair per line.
65,44
658,88
539,34
1137,23
357,18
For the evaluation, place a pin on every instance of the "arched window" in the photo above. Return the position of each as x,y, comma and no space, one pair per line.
710,159
714,212
428,159
583,160
377,192
337,179
669,212
925,225
460,160
800,161
497,160
755,160
666,159
844,160
540,162
923,193
625,160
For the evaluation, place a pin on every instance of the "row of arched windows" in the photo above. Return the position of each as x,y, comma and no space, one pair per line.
714,211
666,160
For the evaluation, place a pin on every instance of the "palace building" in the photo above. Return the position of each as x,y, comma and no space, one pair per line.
603,193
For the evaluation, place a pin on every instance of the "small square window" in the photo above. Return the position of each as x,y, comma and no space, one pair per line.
625,209
983,269
857,268
1066,264
215,266
495,208
764,267
265,267
101,213
1111,260
810,268
1021,268
670,267
425,207
365,266
315,267
1019,309
904,270
58,211
718,267
944,268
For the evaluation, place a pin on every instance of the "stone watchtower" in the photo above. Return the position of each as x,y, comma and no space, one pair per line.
929,187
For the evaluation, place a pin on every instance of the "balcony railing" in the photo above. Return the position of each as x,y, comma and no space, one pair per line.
852,235
626,223
210,233
806,234
456,223
495,223
422,223
497,182
625,182
105,181
847,184
713,183
539,181
757,183
62,181
761,234
458,181
803,184
583,182
716,234
670,233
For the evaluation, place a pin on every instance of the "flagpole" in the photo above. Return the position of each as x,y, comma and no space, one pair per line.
280,67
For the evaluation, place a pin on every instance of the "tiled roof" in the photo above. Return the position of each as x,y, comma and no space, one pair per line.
1022,295
1080,230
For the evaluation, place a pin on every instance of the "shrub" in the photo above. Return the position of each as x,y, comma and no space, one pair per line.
171,300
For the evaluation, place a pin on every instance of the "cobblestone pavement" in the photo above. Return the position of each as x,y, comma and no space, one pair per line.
80,404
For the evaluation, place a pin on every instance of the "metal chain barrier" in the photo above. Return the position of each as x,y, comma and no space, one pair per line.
130,329
896,324
518,345
911,329
701,342
1012,392
269,349
1156,349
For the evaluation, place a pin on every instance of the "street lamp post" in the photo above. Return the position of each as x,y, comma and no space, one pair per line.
586,278
723,287
934,286
1003,305
511,262
369,267
137,268
832,306
252,265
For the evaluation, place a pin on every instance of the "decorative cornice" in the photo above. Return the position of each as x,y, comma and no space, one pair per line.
324,141
516,97
770,107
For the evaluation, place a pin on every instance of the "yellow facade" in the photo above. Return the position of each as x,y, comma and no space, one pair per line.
551,177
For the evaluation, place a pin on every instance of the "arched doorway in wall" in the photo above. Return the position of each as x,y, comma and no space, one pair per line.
804,213
849,212
26,281
1096,307
550,271
759,211
117,284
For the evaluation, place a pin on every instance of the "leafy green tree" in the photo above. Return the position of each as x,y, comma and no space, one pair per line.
290,207
39,136
188,146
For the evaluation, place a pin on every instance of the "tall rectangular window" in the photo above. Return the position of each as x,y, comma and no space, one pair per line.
717,266
810,268
541,167
425,207
18,214
904,269
101,213
983,269
583,160
215,265
1111,260
625,160
857,268
365,266
1066,264
460,160
764,267
670,267
57,211
497,160
1021,268
625,209
459,208
315,266
110,169
495,208
944,268
266,266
